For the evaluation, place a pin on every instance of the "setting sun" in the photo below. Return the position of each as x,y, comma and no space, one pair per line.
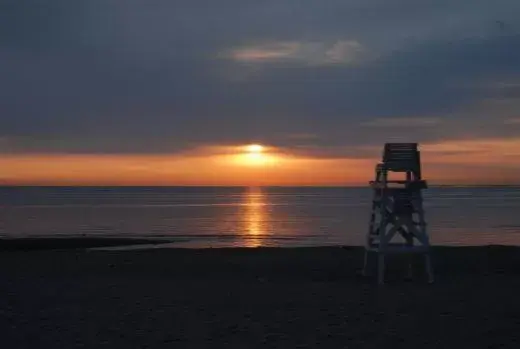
255,148
256,155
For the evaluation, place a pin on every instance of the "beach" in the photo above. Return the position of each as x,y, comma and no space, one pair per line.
255,298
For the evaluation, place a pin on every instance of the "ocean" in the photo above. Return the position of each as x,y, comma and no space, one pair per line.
251,217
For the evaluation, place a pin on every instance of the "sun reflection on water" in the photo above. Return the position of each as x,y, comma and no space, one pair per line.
255,216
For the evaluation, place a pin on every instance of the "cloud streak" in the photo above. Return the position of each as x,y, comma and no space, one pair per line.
403,122
311,53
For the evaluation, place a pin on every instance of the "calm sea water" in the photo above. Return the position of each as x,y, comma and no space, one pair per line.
225,216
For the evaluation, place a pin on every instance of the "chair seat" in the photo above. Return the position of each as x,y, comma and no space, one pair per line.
414,184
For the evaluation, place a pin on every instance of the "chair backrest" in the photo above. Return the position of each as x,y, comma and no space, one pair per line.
402,157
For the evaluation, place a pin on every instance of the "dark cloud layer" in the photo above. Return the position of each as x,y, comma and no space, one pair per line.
159,76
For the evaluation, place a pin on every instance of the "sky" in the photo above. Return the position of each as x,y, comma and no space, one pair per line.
162,92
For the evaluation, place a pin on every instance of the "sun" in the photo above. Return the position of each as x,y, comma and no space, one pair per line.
255,155
255,148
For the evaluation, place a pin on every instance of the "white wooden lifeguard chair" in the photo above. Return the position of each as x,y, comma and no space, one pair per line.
397,209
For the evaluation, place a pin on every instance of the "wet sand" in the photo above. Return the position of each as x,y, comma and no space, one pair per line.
255,298
59,243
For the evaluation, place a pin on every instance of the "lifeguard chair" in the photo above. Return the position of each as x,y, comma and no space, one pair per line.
397,209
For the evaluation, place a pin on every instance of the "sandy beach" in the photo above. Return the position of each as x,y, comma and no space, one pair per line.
255,298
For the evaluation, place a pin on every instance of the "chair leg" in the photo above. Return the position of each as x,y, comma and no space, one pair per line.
365,264
409,274
429,269
381,268
409,243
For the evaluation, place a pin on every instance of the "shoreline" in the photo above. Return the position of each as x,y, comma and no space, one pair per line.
52,243
110,243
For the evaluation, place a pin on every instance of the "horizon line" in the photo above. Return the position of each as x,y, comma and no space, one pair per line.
235,186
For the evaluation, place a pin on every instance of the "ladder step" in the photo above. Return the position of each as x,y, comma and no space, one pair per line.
420,224
398,248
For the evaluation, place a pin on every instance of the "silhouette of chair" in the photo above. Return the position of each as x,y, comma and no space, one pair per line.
397,209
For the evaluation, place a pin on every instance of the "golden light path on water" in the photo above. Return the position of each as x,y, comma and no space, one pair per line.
255,217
